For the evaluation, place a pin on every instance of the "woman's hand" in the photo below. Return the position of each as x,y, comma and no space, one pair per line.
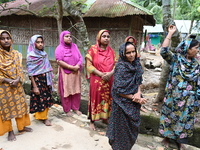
172,29
14,83
106,76
137,98
76,68
36,90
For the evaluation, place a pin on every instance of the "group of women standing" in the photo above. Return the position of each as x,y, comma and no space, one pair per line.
115,92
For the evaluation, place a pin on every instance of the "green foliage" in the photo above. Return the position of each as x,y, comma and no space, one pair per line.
79,4
4,1
187,9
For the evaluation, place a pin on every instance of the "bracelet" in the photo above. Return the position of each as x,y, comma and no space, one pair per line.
168,38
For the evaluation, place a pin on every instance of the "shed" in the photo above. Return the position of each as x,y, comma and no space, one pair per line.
121,17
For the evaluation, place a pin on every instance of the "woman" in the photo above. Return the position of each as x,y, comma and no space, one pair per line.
124,122
181,102
131,39
12,96
40,73
134,41
100,62
70,62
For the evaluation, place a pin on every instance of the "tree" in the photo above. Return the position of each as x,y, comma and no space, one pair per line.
167,21
75,12
57,11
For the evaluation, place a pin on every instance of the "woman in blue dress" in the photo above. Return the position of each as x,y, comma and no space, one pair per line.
124,122
182,92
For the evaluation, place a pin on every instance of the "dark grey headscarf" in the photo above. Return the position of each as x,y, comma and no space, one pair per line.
127,76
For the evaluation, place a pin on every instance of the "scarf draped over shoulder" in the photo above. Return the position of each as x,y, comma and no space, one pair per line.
38,62
188,70
102,60
8,60
127,76
70,54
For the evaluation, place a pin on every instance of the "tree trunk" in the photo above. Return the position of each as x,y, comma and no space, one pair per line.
191,25
80,24
167,21
60,16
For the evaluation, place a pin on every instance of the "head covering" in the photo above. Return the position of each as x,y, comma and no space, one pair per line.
37,61
188,70
131,37
8,60
69,53
127,76
183,46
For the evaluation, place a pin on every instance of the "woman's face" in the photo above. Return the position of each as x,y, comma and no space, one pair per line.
105,38
39,43
67,38
5,40
192,52
130,53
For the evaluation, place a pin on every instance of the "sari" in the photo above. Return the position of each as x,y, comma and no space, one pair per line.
12,99
99,106
124,122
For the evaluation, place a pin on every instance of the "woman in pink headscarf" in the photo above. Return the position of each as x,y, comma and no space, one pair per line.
70,61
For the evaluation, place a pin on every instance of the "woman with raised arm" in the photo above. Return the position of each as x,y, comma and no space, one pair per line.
182,92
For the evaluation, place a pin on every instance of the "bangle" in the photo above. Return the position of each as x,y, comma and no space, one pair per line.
168,38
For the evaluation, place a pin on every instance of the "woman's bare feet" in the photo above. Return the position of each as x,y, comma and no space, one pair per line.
165,142
26,129
69,114
11,136
181,146
92,127
78,112
47,122
143,109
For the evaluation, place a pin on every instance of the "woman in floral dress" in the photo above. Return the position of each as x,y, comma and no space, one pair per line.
181,101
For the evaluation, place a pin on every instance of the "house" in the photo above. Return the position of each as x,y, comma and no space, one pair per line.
156,33
121,17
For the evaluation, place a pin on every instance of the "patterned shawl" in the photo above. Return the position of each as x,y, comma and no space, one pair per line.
188,70
68,53
7,60
127,76
38,62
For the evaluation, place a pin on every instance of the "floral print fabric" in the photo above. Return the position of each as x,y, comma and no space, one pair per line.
181,101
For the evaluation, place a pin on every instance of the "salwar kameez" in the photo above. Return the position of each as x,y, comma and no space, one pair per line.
12,98
69,81
6,126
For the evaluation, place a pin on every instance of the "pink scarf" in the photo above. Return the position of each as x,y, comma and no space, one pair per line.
68,53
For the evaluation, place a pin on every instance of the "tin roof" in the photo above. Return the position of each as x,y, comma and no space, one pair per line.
94,8
115,8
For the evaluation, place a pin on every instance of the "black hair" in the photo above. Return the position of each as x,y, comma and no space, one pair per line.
194,42
130,43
